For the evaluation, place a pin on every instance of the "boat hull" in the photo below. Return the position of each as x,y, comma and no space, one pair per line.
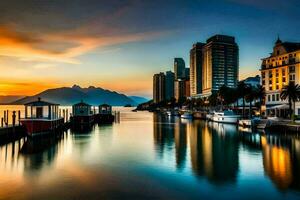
186,116
41,126
82,120
226,119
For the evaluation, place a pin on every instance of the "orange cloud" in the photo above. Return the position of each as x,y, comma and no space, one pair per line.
59,47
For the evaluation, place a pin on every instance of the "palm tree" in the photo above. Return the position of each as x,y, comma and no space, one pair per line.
260,94
242,92
292,93
250,96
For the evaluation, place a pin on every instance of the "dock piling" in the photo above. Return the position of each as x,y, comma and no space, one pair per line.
19,117
14,118
7,118
4,115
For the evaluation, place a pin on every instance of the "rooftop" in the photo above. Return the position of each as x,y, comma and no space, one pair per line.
39,102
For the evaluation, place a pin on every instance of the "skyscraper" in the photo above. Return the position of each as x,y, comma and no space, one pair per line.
169,89
179,68
159,87
220,64
196,58
179,89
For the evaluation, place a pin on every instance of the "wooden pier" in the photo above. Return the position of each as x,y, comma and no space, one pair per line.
13,130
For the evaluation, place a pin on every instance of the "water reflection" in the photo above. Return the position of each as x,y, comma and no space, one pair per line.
214,150
152,156
213,147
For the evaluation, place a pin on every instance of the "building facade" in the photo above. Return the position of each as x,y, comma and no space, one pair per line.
196,60
159,87
220,64
169,86
179,68
277,70
181,89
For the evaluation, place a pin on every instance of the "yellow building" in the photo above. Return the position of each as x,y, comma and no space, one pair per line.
277,70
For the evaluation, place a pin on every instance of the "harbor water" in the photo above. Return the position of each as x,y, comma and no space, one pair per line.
152,156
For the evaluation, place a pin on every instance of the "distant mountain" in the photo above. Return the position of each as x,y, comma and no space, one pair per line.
71,95
138,99
9,99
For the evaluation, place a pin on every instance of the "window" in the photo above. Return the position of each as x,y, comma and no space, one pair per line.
277,87
263,74
283,72
292,69
292,77
269,97
39,112
277,97
270,87
273,97
283,79
263,82
270,74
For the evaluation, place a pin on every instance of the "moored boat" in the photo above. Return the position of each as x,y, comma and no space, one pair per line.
82,114
226,116
187,115
41,117
105,114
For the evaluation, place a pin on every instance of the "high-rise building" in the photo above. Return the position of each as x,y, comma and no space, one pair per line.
181,89
277,70
196,58
179,68
187,73
159,87
169,89
220,64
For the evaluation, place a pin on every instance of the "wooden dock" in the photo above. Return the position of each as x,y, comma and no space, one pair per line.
15,131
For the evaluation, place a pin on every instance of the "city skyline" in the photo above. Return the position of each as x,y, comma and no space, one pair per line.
121,44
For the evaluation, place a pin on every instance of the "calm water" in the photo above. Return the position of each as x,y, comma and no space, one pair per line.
150,156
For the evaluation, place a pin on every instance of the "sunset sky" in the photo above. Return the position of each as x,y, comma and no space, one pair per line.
120,44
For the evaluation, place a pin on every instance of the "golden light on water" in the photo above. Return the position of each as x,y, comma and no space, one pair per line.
277,164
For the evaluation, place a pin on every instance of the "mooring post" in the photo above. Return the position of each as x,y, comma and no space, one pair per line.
64,114
14,118
6,117
19,117
2,120
67,115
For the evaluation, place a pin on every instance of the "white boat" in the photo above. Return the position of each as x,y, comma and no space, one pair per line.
209,116
187,115
245,122
169,113
227,116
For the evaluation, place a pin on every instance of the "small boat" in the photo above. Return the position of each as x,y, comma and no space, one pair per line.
82,114
209,116
245,123
169,113
41,117
227,116
105,115
187,115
